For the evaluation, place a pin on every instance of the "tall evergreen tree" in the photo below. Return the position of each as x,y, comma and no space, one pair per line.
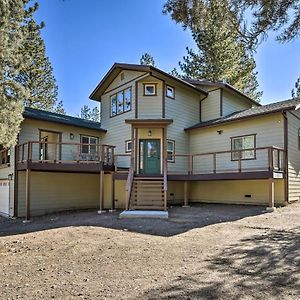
90,114
296,89
37,76
147,59
12,58
251,19
220,55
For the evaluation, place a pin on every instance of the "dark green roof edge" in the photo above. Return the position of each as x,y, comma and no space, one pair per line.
38,114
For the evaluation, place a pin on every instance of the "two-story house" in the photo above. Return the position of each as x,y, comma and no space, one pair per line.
162,141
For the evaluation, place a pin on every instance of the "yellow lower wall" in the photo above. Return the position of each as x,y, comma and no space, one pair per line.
234,191
120,194
52,192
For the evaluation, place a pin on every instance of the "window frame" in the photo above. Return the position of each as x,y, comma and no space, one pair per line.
115,95
298,138
127,150
233,150
150,84
89,144
171,87
173,151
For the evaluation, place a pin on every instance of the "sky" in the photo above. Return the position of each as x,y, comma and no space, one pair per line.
84,38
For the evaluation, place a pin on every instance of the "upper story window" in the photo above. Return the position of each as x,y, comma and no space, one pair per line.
150,89
4,155
120,102
243,143
170,92
89,144
171,150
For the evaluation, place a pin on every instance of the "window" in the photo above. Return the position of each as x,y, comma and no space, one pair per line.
242,143
128,146
299,139
171,150
150,89
120,102
89,144
170,92
4,155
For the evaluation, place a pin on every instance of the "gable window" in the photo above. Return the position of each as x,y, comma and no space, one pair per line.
170,92
171,150
243,143
89,144
149,89
120,102
128,146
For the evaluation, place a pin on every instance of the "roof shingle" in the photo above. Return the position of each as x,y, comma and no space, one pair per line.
38,114
252,112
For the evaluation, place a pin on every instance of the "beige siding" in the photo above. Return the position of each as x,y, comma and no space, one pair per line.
268,130
293,156
127,76
235,191
30,132
51,192
184,110
4,174
210,106
233,103
117,130
150,107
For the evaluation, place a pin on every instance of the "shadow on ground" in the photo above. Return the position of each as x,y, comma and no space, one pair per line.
264,266
180,220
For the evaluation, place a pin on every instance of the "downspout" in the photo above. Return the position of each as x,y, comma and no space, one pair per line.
286,182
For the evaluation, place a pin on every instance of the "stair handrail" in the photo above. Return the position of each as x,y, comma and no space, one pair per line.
165,174
129,186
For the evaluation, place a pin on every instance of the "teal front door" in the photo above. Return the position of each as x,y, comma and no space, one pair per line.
150,157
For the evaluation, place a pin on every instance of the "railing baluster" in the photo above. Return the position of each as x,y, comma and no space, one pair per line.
215,163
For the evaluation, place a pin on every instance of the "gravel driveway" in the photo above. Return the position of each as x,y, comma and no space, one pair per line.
201,252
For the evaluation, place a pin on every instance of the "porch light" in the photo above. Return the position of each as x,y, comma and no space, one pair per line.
219,131
149,133
71,136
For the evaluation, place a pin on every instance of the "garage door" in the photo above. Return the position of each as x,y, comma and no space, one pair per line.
4,197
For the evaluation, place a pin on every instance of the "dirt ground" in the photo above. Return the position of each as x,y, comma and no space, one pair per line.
201,252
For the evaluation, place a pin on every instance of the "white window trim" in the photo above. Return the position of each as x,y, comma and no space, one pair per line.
154,85
89,146
127,150
171,152
173,89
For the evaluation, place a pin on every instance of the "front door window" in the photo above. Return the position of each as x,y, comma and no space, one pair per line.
150,157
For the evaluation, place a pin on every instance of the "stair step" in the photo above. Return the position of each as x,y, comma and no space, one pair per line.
150,207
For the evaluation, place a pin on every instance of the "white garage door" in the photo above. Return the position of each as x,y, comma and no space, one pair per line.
4,197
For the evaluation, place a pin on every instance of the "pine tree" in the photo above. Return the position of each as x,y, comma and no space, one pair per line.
147,59
90,114
220,55
12,58
37,76
296,90
59,108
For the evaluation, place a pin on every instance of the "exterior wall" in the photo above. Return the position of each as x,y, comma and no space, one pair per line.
150,107
211,106
120,194
234,192
293,156
233,103
117,130
184,110
52,192
4,174
127,76
30,132
269,131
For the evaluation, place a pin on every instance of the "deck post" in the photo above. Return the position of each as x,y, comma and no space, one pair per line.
101,193
271,206
185,195
27,195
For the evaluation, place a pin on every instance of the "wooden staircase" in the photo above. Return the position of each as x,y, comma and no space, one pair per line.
147,193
